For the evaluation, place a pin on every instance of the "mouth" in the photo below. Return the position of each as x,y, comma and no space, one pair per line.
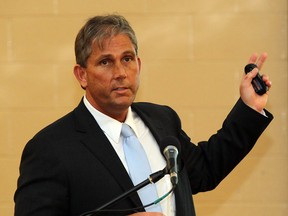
120,90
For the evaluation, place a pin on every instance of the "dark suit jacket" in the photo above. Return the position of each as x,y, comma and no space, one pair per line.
70,167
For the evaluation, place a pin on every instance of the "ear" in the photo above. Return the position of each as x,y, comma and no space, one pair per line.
139,63
81,75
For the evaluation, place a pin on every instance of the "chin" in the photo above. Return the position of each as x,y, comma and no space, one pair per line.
123,105
126,101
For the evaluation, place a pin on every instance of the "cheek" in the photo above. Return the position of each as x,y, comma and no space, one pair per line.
94,78
98,83
137,79
136,82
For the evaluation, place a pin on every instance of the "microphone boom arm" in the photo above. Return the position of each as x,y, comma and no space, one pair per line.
153,178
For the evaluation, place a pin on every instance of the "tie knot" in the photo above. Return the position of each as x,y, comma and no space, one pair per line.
126,131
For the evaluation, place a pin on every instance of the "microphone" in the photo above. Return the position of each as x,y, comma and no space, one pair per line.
171,154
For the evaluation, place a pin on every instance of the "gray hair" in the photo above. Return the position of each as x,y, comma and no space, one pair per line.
96,30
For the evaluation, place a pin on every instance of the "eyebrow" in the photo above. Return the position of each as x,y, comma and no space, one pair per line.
130,52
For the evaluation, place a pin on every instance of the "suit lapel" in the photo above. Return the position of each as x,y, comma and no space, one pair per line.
95,140
155,126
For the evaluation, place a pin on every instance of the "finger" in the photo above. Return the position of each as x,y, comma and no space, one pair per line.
261,60
267,81
253,58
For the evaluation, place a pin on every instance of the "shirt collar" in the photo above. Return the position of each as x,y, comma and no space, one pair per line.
110,126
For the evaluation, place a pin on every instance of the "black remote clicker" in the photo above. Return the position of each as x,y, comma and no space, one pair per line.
257,82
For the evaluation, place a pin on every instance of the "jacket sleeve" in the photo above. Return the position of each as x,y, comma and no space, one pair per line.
209,162
42,185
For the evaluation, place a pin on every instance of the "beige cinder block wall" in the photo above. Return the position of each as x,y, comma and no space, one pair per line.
193,54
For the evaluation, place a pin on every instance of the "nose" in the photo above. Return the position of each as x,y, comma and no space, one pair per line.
120,71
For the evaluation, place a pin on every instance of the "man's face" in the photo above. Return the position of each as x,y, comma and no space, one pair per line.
111,77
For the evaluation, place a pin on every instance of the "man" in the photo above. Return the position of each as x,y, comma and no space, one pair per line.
78,164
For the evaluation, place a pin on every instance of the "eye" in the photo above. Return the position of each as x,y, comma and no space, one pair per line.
104,62
127,58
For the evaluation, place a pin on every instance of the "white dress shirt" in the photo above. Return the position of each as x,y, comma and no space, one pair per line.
112,130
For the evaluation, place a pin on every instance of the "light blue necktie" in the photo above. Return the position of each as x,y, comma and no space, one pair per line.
139,167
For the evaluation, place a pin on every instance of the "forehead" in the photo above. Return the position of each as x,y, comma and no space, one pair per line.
113,44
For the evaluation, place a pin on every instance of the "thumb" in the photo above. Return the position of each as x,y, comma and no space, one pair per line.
252,74
247,78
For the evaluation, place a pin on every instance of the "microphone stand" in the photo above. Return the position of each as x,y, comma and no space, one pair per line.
153,178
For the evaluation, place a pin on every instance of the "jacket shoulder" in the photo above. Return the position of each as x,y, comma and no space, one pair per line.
152,108
76,120
155,114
